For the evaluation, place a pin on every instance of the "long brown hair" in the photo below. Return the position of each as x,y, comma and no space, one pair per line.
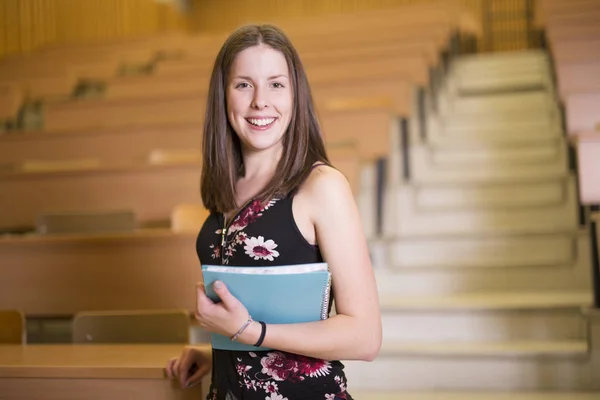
222,158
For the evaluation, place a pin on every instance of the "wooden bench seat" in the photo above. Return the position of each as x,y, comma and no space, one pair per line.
74,115
576,51
587,145
578,77
366,93
111,146
129,265
184,76
441,13
574,32
151,191
146,269
92,114
71,63
11,98
582,111
547,9
122,144
371,129
575,16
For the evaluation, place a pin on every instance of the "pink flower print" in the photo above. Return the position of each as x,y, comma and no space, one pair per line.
271,387
275,396
258,249
250,384
240,237
242,369
313,367
279,367
330,396
269,204
247,216
216,251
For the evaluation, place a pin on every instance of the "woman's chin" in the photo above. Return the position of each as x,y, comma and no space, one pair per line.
260,146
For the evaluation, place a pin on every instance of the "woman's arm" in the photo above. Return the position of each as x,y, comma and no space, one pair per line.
355,332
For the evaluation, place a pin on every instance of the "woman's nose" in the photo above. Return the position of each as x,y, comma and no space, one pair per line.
259,101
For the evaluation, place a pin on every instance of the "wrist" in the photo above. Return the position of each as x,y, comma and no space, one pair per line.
251,333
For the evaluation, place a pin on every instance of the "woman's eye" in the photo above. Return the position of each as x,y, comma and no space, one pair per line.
277,85
242,85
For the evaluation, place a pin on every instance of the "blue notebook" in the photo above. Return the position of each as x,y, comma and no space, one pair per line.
276,295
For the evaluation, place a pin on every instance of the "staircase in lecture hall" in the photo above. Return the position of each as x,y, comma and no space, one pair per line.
482,265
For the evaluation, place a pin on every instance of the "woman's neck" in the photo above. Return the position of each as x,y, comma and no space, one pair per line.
259,169
260,165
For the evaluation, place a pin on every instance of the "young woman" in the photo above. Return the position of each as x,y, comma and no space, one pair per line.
276,200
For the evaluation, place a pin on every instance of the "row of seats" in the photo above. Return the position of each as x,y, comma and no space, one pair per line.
129,326
119,128
573,40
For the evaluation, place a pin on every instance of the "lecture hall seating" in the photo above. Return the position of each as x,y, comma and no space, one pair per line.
100,153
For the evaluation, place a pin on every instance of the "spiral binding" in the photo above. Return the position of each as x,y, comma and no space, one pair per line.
325,304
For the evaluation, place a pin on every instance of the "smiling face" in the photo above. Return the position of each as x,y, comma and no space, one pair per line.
259,98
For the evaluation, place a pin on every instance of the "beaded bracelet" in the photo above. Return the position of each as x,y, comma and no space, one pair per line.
242,329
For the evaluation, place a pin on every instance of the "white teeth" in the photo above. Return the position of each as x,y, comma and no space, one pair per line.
261,122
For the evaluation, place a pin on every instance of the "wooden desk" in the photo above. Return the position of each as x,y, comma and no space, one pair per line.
91,372
145,269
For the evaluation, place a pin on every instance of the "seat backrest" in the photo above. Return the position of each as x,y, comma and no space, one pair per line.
12,327
93,221
135,326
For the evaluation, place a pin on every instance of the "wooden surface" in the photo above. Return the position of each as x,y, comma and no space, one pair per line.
64,274
89,372
588,160
151,192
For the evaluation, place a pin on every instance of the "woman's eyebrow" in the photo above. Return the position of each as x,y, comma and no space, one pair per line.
247,78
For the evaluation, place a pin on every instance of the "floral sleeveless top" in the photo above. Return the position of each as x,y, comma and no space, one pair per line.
266,235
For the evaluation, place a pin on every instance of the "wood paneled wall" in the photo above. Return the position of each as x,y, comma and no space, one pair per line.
28,24
225,15
506,20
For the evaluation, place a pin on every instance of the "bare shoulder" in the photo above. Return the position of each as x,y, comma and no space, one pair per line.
326,183
327,197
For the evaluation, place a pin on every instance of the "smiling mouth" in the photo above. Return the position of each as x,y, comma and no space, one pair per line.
261,122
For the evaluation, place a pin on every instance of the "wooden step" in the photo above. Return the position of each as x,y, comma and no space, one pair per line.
508,195
531,101
451,277
481,251
423,172
532,365
403,217
490,301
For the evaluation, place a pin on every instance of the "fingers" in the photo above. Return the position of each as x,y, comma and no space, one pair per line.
224,294
203,302
169,368
183,369
197,376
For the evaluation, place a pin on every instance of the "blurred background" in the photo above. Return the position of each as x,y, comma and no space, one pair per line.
468,130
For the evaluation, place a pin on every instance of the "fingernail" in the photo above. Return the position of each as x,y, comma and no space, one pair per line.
218,285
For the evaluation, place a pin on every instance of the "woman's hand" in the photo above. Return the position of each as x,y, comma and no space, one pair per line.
224,318
190,367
